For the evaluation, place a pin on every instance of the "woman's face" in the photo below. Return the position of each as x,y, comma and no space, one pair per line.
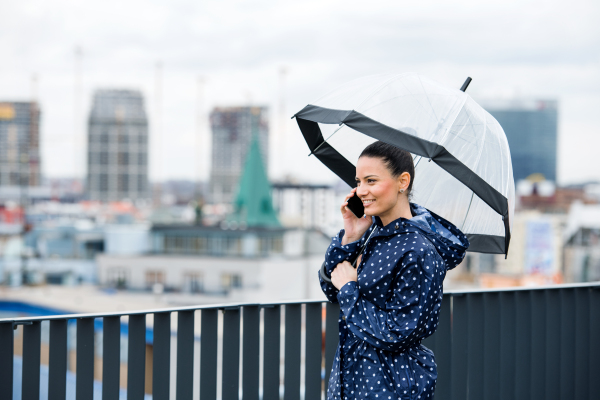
376,187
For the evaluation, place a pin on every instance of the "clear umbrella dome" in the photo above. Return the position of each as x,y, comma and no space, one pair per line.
423,108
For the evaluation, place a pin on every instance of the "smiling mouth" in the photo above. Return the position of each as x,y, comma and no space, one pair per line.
368,202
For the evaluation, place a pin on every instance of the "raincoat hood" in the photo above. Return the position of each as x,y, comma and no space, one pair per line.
447,239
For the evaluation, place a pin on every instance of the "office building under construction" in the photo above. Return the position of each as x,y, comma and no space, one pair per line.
232,132
19,144
118,147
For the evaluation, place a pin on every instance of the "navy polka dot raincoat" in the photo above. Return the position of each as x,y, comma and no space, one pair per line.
394,305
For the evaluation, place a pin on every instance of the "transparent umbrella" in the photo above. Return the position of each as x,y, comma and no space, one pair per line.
463,166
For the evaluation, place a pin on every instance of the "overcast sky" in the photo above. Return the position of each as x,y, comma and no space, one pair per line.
528,48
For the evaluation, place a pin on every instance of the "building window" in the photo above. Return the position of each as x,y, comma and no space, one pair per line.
123,158
199,245
154,278
193,282
123,182
231,281
118,277
103,182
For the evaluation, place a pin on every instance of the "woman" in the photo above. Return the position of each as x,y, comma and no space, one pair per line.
391,301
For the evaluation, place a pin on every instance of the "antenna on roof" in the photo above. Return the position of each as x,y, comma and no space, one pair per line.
466,84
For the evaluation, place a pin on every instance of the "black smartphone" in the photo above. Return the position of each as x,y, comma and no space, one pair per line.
356,206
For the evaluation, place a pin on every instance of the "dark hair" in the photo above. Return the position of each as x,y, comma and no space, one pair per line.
396,160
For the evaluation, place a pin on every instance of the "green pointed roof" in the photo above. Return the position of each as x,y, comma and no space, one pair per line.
253,204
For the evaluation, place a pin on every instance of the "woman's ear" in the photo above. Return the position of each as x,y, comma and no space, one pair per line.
403,182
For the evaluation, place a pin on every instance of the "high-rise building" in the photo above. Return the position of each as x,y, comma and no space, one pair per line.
19,144
117,147
232,131
531,130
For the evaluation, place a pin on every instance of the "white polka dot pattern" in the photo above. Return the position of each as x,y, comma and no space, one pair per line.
394,305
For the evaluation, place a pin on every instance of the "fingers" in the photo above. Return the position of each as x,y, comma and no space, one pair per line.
343,206
358,260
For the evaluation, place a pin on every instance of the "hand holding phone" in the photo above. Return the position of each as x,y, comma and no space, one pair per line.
355,222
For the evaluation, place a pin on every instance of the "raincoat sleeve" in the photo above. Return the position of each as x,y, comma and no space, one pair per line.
337,253
407,316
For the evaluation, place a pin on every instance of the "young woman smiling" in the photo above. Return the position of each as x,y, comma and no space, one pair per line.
391,301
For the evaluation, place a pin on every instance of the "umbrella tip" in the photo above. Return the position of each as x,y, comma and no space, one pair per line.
466,84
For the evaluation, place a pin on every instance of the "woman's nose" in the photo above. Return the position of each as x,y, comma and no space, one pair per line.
361,191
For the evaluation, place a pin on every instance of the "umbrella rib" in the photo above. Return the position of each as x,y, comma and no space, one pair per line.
325,140
468,209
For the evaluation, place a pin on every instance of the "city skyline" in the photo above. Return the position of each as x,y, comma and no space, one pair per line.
240,58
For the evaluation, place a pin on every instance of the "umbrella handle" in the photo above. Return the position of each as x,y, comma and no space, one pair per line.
324,274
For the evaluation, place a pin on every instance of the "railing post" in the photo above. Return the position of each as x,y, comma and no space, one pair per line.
7,341
57,368
209,320
31,360
231,353
185,355
332,327
271,344
251,349
136,357
84,367
111,357
291,374
161,356
314,350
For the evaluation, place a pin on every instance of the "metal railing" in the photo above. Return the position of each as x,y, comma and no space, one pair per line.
541,343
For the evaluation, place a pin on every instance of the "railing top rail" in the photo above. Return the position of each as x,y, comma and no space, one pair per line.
523,288
229,306
222,306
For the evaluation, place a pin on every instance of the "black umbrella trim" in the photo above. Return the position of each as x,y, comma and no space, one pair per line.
309,117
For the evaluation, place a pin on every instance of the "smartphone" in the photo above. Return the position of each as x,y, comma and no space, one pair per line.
356,206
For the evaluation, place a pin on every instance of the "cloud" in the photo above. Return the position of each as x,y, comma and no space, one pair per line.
531,48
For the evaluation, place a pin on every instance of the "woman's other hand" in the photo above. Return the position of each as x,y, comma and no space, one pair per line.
354,227
343,273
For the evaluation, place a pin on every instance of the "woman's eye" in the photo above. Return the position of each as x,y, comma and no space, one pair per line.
370,180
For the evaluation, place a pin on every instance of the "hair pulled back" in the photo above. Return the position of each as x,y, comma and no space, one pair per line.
396,160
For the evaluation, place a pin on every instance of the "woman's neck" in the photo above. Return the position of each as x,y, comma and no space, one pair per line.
402,210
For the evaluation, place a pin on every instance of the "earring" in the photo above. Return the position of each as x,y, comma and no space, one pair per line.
401,190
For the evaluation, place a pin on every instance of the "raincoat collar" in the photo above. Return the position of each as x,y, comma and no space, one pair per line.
443,234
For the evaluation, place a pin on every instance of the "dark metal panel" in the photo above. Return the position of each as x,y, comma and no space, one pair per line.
231,354
443,350
251,352
475,363
523,345
582,343
291,374
32,335
84,383
567,344
460,340
185,355
136,357
491,352
332,328
553,323
161,356
314,348
538,344
594,316
57,364
508,343
271,343
209,325
111,357
6,360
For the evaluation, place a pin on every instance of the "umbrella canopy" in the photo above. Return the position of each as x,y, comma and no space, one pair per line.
463,169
